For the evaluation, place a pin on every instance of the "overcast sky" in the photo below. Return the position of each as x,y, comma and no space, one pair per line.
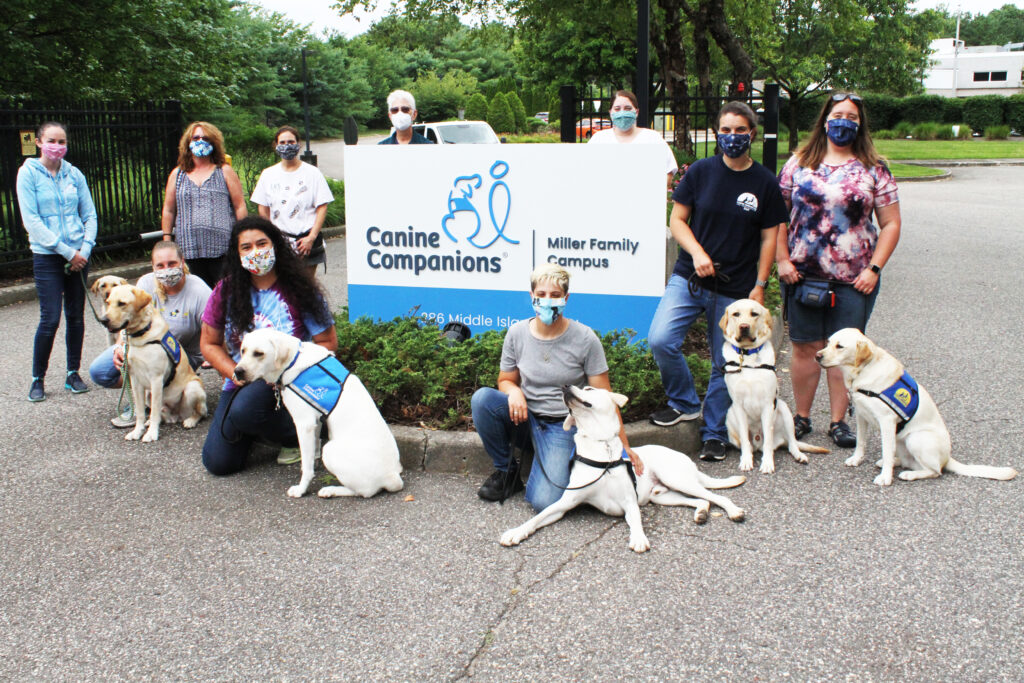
322,18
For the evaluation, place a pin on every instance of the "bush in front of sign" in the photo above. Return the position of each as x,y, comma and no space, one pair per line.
419,378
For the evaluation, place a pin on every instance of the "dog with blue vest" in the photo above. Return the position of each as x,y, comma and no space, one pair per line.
161,376
887,397
317,390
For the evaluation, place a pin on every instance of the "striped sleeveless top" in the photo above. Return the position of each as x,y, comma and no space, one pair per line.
202,227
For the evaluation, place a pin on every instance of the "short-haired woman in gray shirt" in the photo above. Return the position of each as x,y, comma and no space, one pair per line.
540,356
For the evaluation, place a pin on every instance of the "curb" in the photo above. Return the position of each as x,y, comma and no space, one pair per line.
16,294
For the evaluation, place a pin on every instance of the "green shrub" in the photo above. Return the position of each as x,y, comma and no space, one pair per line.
928,130
1013,110
884,134
259,138
984,111
518,111
903,129
883,110
963,131
952,109
534,124
336,209
921,108
499,114
417,377
944,132
997,132
476,108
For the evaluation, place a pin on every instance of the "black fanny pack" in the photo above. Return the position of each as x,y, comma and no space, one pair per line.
814,293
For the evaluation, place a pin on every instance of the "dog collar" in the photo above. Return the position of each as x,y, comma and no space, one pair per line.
143,331
746,352
607,465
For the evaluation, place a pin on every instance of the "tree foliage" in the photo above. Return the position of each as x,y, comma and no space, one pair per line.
518,111
476,108
499,114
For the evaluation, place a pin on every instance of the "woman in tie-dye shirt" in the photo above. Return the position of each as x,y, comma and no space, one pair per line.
832,185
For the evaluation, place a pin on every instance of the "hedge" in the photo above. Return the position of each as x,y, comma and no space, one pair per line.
1013,111
984,111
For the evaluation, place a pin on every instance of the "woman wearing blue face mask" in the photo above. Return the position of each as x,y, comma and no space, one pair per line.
624,130
540,356
294,195
202,201
832,185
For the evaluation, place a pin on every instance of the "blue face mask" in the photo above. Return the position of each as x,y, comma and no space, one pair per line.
200,148
548,310
733,145
841,132
623,120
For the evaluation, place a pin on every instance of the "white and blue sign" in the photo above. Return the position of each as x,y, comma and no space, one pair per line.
452,233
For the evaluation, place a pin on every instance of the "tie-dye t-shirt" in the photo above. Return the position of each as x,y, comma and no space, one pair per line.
831,234
270,309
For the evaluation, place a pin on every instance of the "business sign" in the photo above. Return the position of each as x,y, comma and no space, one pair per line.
452,232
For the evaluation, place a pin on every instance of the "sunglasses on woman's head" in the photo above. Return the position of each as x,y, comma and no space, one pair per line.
840,96
403,109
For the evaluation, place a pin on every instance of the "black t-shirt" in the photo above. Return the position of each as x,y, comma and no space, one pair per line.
728,211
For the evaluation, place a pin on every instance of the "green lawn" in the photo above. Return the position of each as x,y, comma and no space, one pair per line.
911,171
951,149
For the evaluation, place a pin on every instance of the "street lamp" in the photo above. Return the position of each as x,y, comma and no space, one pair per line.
307,156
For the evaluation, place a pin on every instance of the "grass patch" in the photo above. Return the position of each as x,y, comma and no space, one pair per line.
951,149
911,171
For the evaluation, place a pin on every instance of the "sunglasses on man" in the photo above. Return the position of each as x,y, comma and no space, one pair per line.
404,109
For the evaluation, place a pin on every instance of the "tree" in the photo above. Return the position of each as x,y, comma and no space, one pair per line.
499,114
476,108
440,98
998,27
518,111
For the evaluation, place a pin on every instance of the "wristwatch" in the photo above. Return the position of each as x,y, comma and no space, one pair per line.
877,270
761,283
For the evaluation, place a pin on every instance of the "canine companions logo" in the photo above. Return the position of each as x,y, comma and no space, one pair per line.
747,202
316,392
463,217
903,396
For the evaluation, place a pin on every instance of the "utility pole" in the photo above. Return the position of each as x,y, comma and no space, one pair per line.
642,86
308,155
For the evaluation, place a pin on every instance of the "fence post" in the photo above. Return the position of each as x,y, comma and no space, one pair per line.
567,116
770,155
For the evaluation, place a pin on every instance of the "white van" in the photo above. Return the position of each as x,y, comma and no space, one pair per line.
458,133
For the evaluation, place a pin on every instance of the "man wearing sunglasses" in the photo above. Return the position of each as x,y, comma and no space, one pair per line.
402,111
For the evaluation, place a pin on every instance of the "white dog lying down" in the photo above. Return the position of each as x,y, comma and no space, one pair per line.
158,367
361,452
906,415
667,476
756,415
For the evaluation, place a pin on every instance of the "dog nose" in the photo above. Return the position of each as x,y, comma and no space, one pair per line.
819,355
239,374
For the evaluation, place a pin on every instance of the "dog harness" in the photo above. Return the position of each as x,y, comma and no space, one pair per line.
606,465
319,385
746,352
903,398
170,346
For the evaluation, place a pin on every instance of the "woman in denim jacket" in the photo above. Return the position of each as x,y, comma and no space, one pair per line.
59,216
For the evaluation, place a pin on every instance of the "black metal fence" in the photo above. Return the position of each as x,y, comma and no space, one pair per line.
125,151
588,108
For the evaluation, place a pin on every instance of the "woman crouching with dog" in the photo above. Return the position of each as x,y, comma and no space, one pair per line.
539,356
265,285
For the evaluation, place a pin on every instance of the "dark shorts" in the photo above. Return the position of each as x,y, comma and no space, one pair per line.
852,309
317,255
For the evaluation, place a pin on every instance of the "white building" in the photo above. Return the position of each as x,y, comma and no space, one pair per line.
959,71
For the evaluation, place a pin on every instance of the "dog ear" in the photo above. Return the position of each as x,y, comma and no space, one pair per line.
769,321
95,286
723,322
569,423
619,399
142,299
864,354
284,355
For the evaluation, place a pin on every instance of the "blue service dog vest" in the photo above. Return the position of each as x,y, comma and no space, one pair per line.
172,348
321,385
902,398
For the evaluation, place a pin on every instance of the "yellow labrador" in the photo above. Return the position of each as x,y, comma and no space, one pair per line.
101,286
909,421
167,384
756,414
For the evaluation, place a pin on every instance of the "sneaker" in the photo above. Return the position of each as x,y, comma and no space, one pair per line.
74,384
289,456
666,417
801,425
500,485
841,435
125,420
36,392
713,450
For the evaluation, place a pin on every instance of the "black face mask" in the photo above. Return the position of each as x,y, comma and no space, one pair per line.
288,151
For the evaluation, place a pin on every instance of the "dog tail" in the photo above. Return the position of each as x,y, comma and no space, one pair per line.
809,448
986,471
727,483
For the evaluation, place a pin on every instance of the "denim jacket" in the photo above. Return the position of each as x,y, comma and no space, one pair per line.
57,211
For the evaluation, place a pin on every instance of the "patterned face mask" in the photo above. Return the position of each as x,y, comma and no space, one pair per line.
548,310
200,148
623,120
841,132
259,261
169,277
53,150
734,145
288,151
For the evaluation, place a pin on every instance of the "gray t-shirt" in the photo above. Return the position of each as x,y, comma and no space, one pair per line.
546,365
183,311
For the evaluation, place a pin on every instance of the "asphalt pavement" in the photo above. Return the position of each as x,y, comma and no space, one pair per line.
127,561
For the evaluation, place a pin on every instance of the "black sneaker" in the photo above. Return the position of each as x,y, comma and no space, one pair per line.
74,384
801,426
666,417
713,450
500,485
841,435
36,392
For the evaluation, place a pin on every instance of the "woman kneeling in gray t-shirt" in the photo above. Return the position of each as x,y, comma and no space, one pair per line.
539,357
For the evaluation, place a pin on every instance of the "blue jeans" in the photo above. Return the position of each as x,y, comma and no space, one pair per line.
552,445
677,310
57,288
104,373
243,415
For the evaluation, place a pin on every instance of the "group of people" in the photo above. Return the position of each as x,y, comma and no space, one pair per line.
732,220
219,273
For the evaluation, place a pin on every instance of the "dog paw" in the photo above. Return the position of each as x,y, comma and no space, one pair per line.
767,467
746,464
878,464
150,437
133,435
853,460
738,515
512,537
297,491
800,457
883,480
639,543
700,516
190,422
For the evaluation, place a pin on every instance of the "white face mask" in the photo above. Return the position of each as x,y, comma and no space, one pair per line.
401,121
169,277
